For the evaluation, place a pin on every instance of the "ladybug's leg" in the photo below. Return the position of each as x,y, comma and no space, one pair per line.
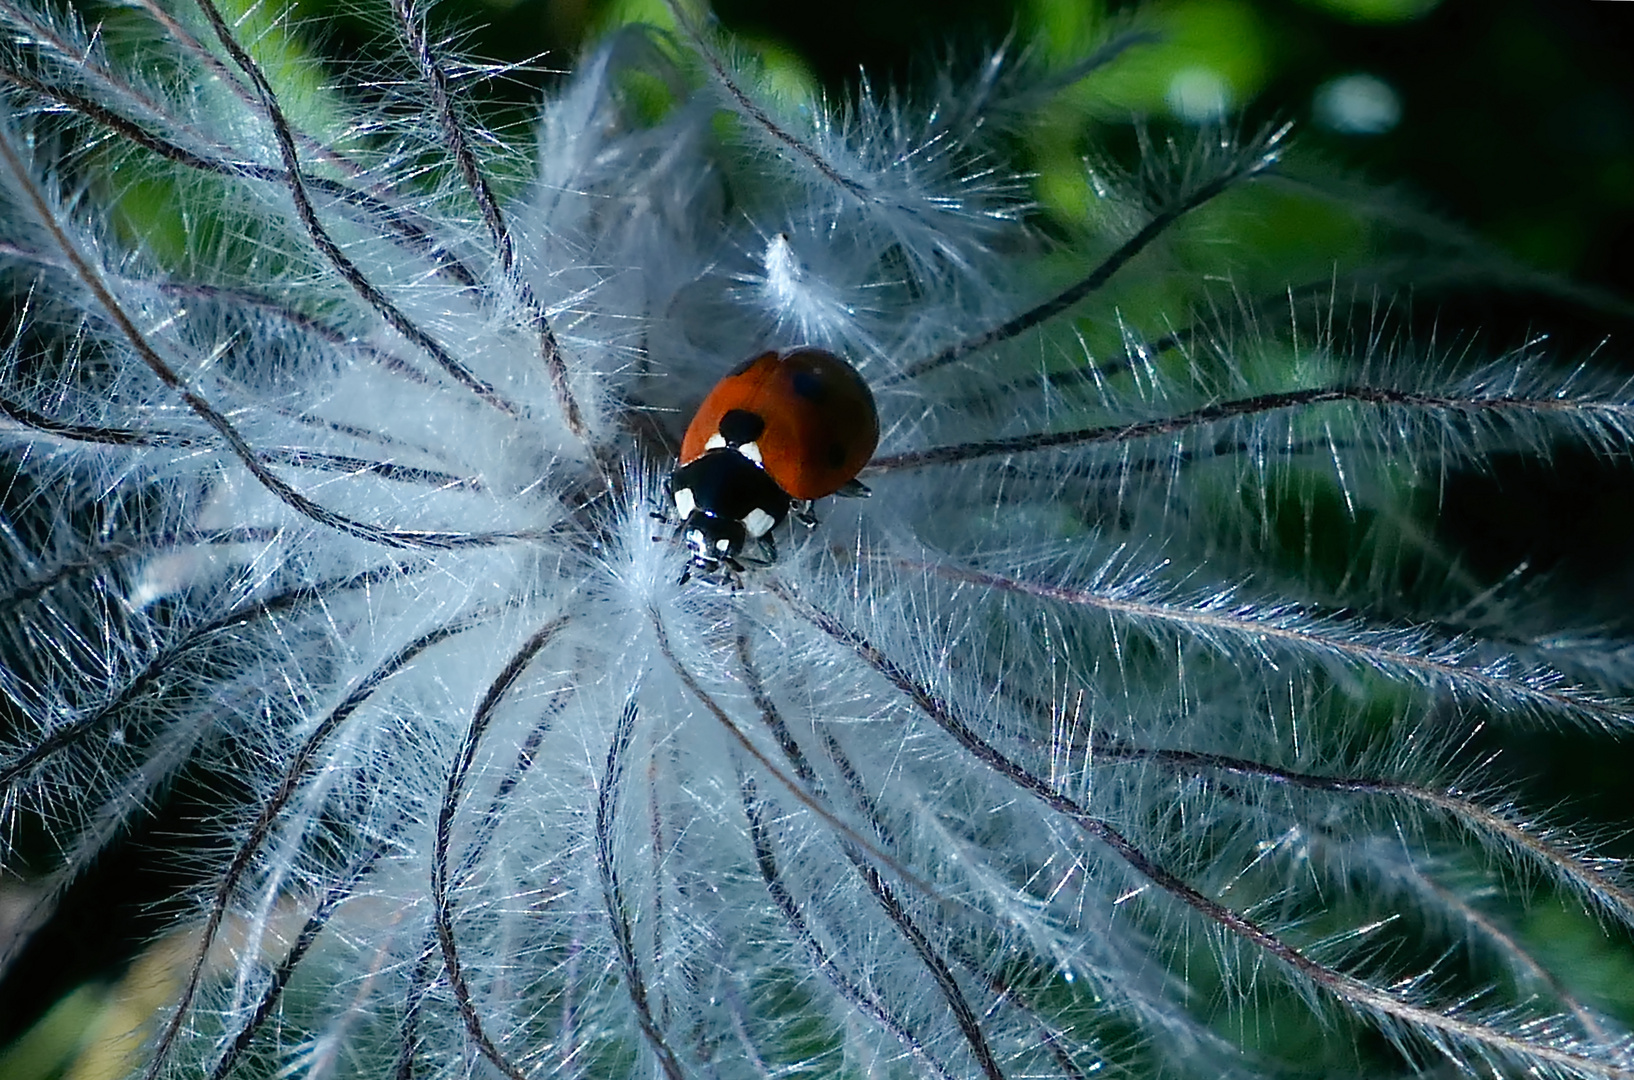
853,489
664,515
677,525
768,552
802,513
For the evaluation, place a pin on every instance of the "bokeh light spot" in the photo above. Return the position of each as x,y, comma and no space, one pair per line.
1357,105
1209,56
1198,94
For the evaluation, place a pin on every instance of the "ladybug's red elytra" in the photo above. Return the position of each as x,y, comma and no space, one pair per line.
780,429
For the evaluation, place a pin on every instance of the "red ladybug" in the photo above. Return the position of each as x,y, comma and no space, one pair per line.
780,428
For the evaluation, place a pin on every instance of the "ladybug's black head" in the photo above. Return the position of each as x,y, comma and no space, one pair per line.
724,500
713,542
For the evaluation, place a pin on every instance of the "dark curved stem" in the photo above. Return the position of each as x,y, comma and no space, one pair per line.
111,551
466,161
1100,275
1172,425
442,905
419,987
884,895
1419,660
1466,812
294,456
1390,1007
301,764
618,913
23,416
843,984
285,970
319,235
70,733
805,798
251,459
798,147
415,235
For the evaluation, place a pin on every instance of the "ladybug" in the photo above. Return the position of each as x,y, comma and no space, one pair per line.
778,431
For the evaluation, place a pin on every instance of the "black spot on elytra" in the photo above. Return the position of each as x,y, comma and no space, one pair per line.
810,385
741,426
836,455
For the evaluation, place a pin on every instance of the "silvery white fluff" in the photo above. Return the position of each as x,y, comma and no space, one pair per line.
1034,763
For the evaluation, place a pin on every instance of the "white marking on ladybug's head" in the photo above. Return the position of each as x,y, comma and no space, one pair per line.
751,451
716,441
685,503
758,523
723,544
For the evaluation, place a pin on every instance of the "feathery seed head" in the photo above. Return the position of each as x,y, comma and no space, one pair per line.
1039,761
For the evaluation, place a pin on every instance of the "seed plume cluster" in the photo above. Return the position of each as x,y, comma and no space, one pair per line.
335,478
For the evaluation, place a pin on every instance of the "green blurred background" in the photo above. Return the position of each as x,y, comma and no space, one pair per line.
1514,118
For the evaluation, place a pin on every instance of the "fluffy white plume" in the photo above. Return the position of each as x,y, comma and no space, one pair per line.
1033,764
